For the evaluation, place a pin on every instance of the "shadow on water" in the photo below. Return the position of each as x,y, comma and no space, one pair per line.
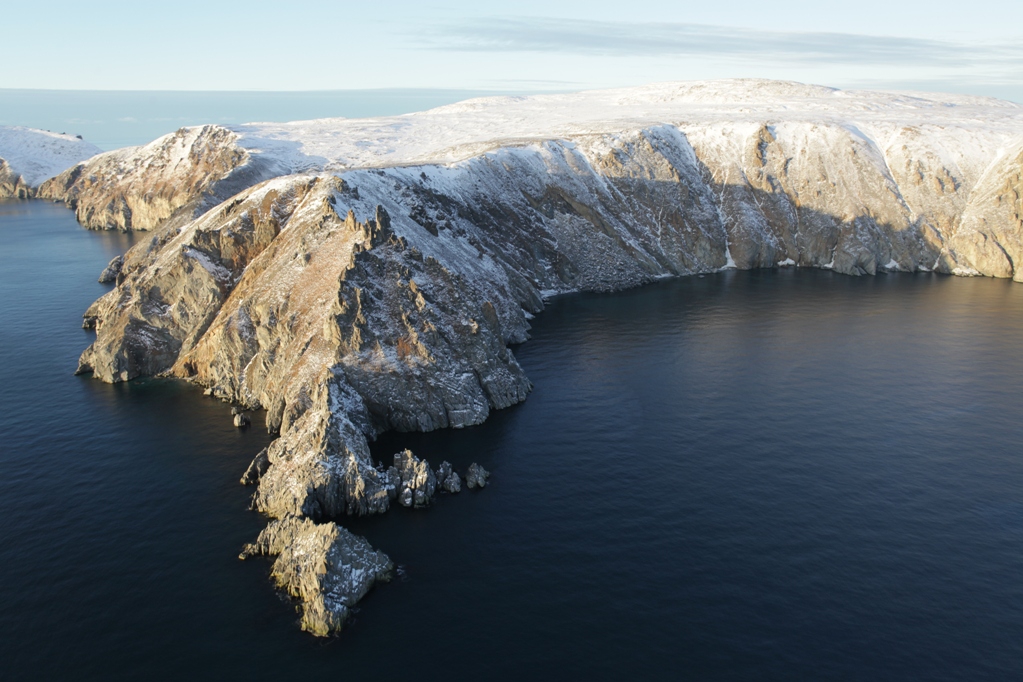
766,474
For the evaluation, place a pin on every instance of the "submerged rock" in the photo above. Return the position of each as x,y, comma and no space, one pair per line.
139,188
12,185
476,476
323,566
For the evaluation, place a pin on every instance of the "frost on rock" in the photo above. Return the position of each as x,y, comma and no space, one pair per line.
452,483
417,482
323,566
176,177
476,476
320,467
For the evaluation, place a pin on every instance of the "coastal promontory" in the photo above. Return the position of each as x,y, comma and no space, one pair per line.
352,276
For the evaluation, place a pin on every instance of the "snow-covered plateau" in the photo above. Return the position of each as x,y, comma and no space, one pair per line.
353,276
29,156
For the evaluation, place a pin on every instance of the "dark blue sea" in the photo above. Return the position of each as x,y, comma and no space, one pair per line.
767,475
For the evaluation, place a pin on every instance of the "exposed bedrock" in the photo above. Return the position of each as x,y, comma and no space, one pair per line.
178,176
379,299
112,270
324,567
12,184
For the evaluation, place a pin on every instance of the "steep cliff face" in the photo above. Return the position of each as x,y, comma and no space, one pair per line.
350,301
179,176
12,184
29,156
989,237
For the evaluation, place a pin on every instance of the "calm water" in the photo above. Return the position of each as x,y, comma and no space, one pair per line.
764,475
113,119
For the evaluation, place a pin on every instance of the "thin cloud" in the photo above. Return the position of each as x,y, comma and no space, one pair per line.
526,34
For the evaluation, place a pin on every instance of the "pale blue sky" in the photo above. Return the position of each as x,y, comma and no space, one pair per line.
527,45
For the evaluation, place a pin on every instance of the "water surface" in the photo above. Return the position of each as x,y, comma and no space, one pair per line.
751,475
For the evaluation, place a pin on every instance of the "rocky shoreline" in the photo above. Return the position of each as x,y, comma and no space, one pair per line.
347,292
325,568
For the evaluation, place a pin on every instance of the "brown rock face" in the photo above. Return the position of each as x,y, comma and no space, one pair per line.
140,188
12,185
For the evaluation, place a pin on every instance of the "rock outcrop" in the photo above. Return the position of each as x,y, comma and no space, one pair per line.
417,483
324,567
452,483
476,476
112,270
12,184
179,176
366,296
260,463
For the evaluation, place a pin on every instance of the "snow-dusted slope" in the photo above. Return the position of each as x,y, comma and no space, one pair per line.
355,276
28,157
459,131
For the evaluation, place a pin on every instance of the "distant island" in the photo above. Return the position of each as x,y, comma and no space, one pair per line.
351,276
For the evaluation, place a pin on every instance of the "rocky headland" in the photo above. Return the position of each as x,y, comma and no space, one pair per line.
354,276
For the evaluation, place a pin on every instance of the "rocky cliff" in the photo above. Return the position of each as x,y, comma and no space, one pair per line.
382,288
28,157
180,175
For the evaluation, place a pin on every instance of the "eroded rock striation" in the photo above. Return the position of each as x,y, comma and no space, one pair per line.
351,277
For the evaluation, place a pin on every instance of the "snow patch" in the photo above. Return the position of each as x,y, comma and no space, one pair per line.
729,263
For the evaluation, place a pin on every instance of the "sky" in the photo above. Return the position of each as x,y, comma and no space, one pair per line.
530,45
